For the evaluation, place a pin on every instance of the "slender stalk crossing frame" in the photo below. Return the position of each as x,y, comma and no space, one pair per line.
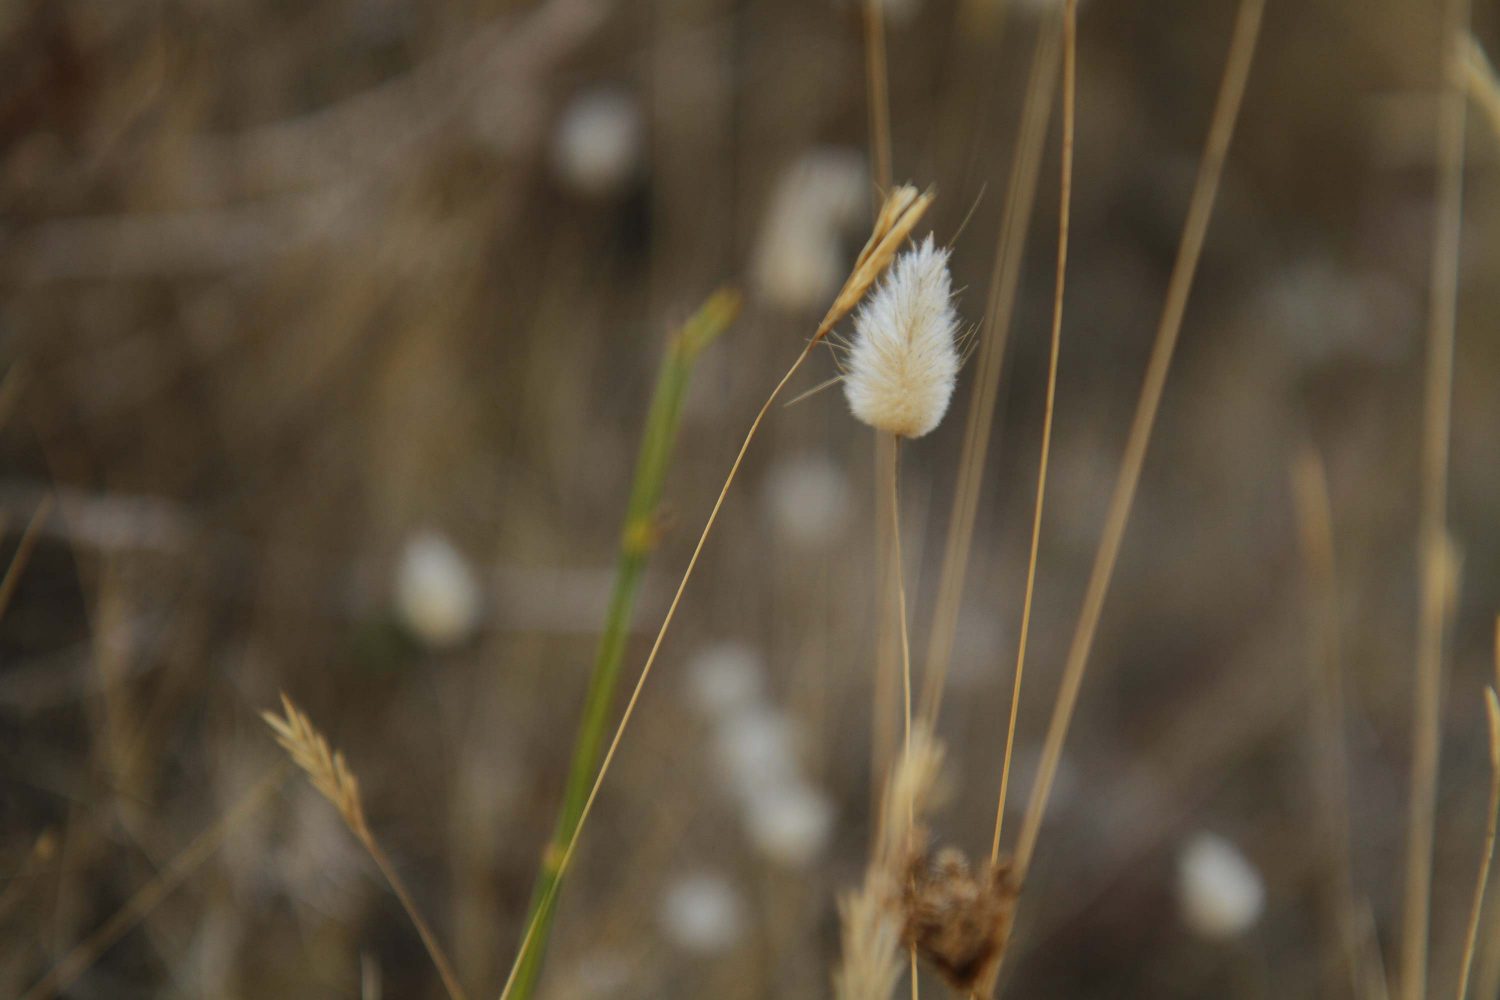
1432,540
1200,209
1065,202
637,540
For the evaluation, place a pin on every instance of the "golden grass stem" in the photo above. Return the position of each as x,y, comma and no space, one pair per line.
1200,209
1005,277
149,896
1481,883
898,569
878,82
1065,201
1480,80
429,939
24,548
1330,761
1432,528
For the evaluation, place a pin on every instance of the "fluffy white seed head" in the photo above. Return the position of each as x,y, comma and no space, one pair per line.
789,822
1220,891
436,594
903,362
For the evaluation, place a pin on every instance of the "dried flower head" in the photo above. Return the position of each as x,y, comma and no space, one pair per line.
959,919
904,359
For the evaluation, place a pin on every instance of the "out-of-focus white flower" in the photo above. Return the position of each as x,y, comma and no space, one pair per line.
808,499
800,258
702,913
437,597
599,141
903,362
1219,890
756,747
726,678
789,822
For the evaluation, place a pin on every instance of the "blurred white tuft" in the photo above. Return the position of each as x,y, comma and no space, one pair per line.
597,148
725,678
1220,891
789,822
702,913
800,259
808,499
436,594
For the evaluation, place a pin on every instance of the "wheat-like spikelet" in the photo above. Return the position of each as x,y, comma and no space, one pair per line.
902,210
325,767
331,776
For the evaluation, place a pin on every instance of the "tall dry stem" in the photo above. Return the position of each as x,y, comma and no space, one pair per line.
1065,202
1200,209
1432,541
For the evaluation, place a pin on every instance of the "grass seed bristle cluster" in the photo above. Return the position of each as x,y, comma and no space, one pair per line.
953,916
903,361
325,767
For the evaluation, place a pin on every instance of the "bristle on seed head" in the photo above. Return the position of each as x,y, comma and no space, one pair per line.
904,359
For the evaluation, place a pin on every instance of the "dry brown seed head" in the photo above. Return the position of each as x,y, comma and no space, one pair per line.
959,919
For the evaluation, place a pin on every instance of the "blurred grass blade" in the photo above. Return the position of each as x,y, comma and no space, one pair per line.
637,539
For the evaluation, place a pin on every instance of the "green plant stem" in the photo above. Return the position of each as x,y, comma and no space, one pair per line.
638,539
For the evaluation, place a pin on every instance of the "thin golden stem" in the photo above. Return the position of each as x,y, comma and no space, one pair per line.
1432,528
429,940
1200,209
635,694
24,548
1065,200
149,896
898,569
1010,247
879,94
1330,764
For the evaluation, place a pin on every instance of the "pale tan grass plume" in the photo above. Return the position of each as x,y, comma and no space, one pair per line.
330,775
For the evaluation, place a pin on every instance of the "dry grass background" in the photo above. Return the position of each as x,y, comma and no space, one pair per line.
286,284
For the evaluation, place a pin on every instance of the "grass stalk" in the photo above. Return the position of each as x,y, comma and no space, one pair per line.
1020,198
637,540
77,961
1200,210
1432,543
1065,202
1481,883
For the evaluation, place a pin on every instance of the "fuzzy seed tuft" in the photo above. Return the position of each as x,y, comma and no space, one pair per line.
904,360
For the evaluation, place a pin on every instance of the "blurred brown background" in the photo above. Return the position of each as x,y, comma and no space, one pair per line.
330,327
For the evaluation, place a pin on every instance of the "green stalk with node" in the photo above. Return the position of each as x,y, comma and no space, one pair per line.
637,540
